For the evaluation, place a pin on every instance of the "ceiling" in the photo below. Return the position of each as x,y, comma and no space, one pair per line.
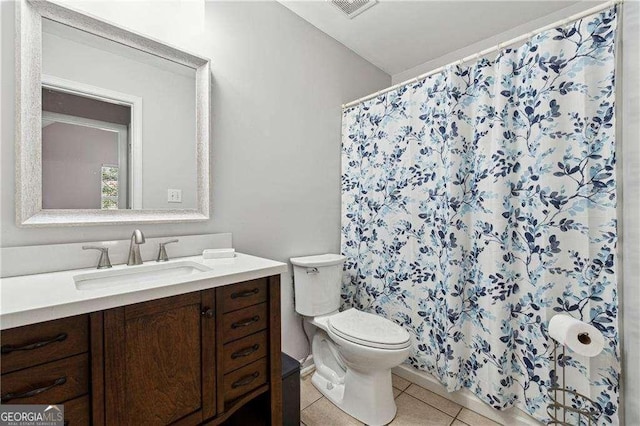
398,35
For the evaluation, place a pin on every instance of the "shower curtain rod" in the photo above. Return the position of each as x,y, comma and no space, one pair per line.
495,48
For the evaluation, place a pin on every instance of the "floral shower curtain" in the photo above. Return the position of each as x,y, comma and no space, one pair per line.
479,202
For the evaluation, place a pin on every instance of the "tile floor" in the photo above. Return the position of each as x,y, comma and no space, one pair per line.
416,406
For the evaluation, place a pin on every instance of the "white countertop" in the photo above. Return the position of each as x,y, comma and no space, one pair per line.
29,299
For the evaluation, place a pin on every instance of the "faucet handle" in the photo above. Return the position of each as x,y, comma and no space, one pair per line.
162,251
104,261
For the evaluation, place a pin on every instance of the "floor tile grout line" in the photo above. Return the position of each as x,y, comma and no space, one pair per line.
312,402
459,411
401,390
462,407
475,412
309,406
435,408
315,400
418,399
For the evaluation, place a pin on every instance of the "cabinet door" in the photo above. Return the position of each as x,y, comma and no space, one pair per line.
158,361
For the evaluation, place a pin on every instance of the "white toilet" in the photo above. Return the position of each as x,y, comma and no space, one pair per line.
353,351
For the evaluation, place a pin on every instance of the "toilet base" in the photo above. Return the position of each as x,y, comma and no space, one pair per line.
366,397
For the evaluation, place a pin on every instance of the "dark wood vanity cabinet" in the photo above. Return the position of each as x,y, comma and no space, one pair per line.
194,358
48,363
159,360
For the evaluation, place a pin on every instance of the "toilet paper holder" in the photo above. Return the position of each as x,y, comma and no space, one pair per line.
584,338
559,411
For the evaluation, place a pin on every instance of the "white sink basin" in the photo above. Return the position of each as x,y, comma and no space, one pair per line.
143,274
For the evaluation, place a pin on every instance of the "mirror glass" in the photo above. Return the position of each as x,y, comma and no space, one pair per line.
118,125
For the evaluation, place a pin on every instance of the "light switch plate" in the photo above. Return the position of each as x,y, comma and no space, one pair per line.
174,195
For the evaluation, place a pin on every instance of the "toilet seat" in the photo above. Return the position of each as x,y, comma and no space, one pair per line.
368,330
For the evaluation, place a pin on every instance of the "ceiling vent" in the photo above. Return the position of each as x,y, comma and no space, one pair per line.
352,8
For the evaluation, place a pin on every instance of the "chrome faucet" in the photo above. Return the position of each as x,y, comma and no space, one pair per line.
104,261
162,251
137,238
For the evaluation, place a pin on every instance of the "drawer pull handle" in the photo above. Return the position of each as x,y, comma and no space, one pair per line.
247,293
245,380
245,352
11,395
7,349
246,322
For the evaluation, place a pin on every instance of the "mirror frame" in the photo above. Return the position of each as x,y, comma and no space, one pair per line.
28,141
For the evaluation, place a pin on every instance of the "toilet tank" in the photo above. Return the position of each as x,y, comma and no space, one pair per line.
317,283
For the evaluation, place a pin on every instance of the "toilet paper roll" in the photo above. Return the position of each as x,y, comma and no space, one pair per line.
580,337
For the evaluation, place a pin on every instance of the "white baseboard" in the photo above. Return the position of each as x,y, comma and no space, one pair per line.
307,367
464,397
307,370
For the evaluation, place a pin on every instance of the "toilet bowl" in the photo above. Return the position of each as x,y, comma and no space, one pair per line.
353,351
355,372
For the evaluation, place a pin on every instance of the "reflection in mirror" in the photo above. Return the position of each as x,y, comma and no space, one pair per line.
118,125
85,153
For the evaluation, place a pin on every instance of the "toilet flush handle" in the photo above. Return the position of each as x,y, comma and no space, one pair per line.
312,271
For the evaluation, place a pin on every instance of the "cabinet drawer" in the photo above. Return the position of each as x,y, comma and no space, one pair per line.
238,296
76,412
49,383
246,321
245,379
244,351
44,342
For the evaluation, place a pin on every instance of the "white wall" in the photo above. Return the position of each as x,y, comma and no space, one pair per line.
630,156
278,84
168,108
532,25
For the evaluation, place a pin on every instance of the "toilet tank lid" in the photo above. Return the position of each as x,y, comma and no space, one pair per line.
318,260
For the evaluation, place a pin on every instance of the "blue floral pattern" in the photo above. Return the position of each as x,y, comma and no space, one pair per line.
479,202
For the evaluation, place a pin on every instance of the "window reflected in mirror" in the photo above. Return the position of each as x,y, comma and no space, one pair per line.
85,152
